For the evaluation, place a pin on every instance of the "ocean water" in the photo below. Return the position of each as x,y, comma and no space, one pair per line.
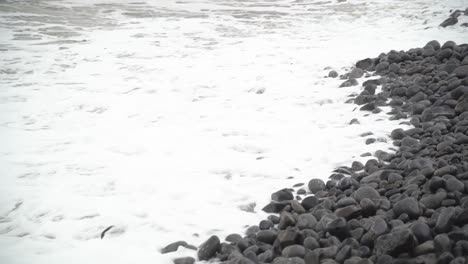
166,119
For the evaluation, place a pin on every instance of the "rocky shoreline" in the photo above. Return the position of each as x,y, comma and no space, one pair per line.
410,206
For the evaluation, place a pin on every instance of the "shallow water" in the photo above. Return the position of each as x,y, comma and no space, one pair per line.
165,118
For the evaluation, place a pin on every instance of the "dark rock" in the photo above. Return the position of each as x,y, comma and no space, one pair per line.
316,185
265,224
421,231
356,73
365,64
286,219
282,195
366,192
368,207
327,252
397,134
338,228
343,254
294,251
349,83
445,258
185,260
309,202
288,237
449,169
449,22
209,248
306,221
379,227
382,66
348,212
274,207
461,72
444,221
442,243
175,246
394,243
333,74
433,201
267,236
241,260
424,248
233,238
407,206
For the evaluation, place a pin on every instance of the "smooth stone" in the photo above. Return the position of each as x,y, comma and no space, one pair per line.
408,206
316,185
185,260
208,249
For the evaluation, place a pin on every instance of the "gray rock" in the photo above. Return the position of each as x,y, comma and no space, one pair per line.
306,221
348,212
208,249
240,260
309,202
407,206
294,251
311,243
395,242
282,195
175,246
366,192
444,221
449,22
186,260
421,231
267,236
382,66
297,207
433,201
356,73
338,228
286,219
333,74
288,237
365,64
424,248
442,243
316,185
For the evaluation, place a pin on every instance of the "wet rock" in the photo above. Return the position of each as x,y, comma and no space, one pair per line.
407,206
365,64
175,246
288,237
286,219
338,228
185,260
316,185
267,236
442,243
356,73
421,231
282,195
309,202
333,74
444,221
395,242
306,221
366,192
294,251
209,248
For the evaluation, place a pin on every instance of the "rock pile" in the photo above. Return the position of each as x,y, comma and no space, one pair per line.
405,207
453,18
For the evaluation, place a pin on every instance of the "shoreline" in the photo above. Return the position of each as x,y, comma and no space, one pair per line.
410,206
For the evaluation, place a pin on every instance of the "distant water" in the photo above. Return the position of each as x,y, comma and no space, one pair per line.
166,119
